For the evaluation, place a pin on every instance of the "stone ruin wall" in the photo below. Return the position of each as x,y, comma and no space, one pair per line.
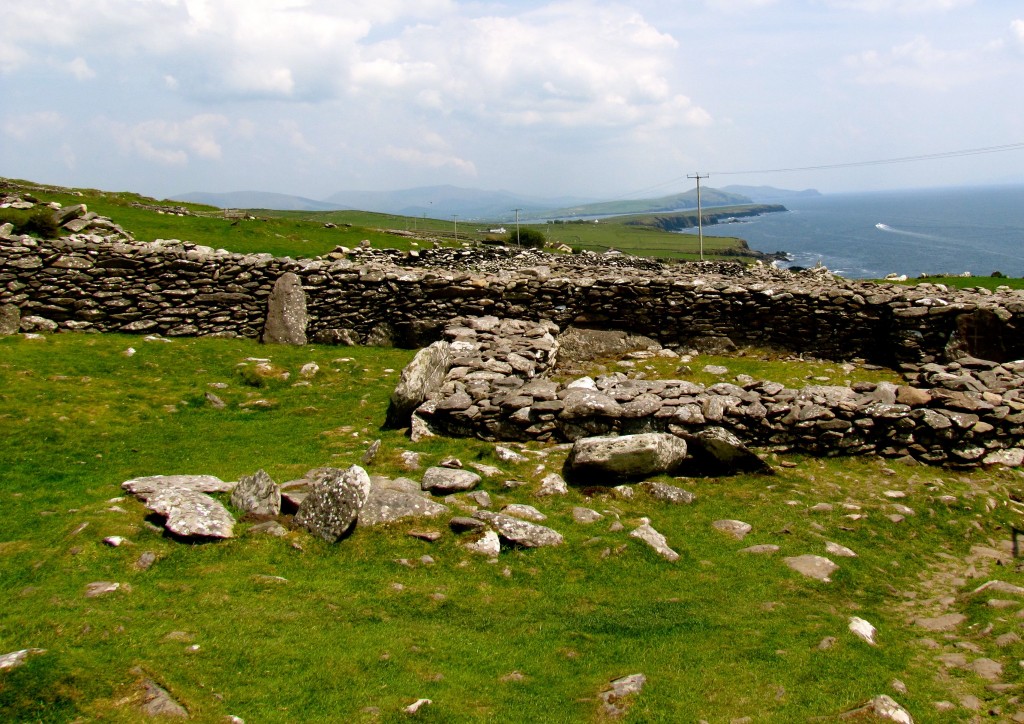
181,290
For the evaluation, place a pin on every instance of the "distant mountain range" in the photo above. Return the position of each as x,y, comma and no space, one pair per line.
441,202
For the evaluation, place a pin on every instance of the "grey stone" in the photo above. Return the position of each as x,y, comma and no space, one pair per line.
655,540
101,588
387,506
487,543
838,550
462,524
625,457
762,549
286,312
718,451
585,515
616,700
442,481
257,494
142,488
269,527
33,323
552,484
526,512
733,528
10,319
520,532
946,622
334,503
192,514
18,658
816,567
419,379
667,493
158,702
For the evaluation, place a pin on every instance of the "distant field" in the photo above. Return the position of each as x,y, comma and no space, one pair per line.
302,234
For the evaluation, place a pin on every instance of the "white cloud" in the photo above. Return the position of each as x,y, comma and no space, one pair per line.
899,6
569,64
1017,28
430,159
79,68
28,125
915,63
173,143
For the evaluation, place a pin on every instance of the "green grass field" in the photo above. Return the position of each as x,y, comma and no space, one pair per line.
352,634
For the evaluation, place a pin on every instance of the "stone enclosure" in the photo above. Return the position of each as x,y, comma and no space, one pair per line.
498,312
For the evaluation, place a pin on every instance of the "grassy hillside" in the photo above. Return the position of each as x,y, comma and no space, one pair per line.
293,629
304,234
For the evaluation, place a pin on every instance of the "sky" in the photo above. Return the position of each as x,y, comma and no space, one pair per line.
599,100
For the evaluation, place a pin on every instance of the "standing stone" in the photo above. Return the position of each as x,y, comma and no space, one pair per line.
421,377
333,504
286,312
257,494
10,319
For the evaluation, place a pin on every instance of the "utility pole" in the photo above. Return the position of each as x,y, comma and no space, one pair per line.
700,215
456,217
517,227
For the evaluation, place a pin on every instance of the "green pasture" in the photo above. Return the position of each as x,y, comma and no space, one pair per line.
358,630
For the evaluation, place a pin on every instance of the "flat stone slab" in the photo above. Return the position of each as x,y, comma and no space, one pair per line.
839,550
733,528
144,487
192,514
816,567
520,532
946,622
387,506
668,493
524,512
764,549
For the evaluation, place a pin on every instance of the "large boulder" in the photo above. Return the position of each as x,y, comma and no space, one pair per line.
579,344
386,505
191,514
442,481
257,494
334,502
420,378
716,451
286,312
627,457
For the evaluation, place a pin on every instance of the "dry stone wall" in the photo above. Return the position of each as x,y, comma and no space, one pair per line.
966,413
90,282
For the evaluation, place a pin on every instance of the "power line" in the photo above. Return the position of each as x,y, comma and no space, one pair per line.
852,164
885,161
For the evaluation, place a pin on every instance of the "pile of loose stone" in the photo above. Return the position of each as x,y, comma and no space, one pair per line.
75,218
490,381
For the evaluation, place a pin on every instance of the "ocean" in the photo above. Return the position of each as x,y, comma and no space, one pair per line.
869,235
